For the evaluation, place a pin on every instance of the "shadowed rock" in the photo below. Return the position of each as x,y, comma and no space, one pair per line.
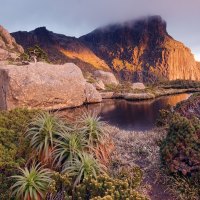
106,77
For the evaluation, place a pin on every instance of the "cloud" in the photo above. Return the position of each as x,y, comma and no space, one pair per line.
78,17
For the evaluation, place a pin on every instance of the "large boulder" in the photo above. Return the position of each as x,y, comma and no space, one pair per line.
138,86
106,77
92,95
41,85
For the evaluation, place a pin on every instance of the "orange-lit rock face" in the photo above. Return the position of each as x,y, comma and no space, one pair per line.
86,56
61,48
143,51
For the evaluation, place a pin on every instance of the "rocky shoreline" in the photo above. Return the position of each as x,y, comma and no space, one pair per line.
146,95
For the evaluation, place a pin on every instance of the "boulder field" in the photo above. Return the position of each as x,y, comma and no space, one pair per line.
44,86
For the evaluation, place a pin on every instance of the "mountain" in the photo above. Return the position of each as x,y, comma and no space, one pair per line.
9,49
142,50
138,50
61,48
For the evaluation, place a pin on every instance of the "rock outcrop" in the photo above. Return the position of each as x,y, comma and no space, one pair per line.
92,95
99,85
41,85
138,86
61,48
143,51
106,77
9,49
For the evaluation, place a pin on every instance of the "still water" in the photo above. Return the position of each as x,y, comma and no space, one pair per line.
132,115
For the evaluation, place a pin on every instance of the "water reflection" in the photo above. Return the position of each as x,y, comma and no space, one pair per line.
131,115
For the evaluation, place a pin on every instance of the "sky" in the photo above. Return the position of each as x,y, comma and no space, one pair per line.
79,17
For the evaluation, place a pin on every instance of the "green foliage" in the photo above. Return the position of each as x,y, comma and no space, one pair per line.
105,187
83,167
60,185
37,52
185,188
164,117
42,132
180,84
14,148
73,148
189,108
180,150
120,88
68,146
93,128
89,77
32,183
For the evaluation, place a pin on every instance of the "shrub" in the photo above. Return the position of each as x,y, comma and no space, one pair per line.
180,150
35,51
164,117
83,167
60,187
31,184
189,108
180,84
68,146
42,132
185,188
120,88
94,130
105,187
14,148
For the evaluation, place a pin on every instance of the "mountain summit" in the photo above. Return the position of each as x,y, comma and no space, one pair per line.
142,50
138,50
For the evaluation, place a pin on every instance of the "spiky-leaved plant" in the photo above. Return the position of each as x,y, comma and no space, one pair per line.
68,146
32,183
42,132
93,128
84,166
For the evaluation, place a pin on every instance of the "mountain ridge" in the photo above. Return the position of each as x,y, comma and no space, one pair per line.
137,50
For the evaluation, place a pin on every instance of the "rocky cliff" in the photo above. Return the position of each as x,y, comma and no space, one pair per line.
139,50
142,50
9,49
61,48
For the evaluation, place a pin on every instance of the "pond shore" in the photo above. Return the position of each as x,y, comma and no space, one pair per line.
146,94
142,149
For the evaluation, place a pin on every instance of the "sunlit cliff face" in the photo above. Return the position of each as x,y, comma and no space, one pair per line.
143,51
87,57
